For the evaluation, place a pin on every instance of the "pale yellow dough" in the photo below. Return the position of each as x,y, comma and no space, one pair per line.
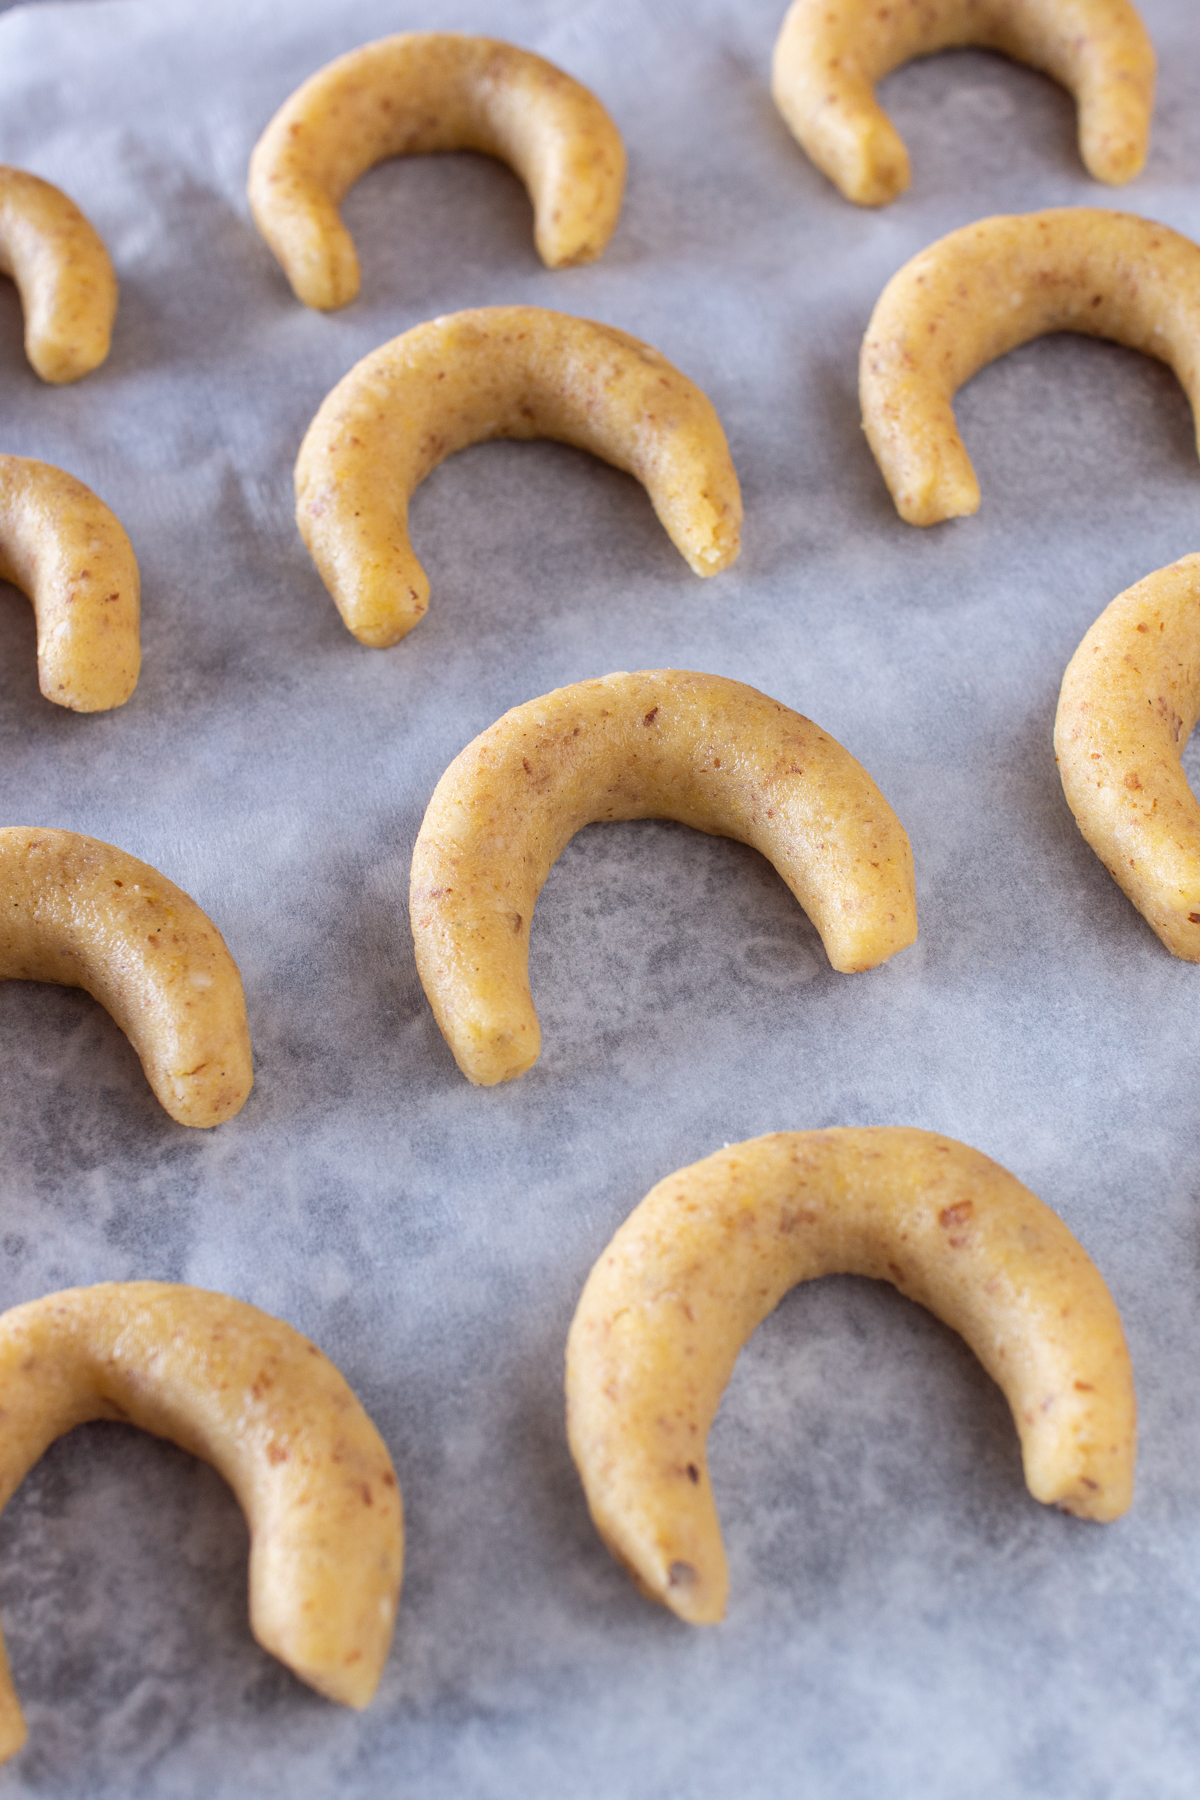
1130,699
660,744
713,1249
63,547
84,914
830,54
423,91
991,286
248,1394
63,275
498,372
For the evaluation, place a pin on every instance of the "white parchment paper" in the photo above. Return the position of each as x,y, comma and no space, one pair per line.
905,1620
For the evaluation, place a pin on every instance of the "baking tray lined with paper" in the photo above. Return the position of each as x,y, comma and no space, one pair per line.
902,1615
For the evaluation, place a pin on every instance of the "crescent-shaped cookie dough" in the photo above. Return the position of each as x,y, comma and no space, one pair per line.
830,54
422,91
713,1249
498,372
991,286
248,1394
1129,700
660,744
66,550
82,913
63,275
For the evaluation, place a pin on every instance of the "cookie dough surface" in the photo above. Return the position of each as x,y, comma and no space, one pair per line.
1130,700
713,1249
64,548
830,54
424,91
990,286
662,743
85,914
248,1394
499,372
63,274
